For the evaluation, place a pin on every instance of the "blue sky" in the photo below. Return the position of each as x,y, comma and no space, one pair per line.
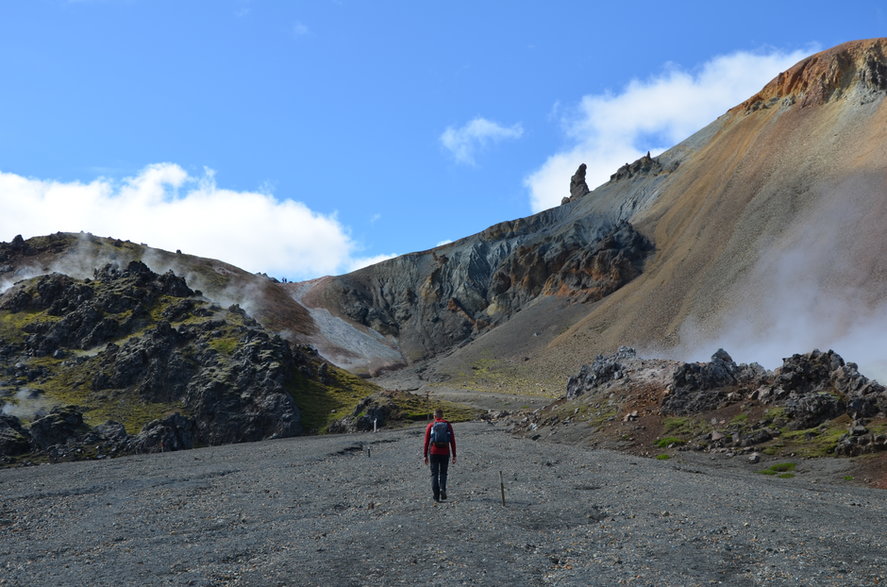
302,138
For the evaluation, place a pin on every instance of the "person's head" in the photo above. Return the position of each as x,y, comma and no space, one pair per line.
438,413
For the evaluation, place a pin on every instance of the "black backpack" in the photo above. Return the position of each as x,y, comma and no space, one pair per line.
440,434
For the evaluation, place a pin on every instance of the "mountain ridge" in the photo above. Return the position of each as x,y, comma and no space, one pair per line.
857,66
761,234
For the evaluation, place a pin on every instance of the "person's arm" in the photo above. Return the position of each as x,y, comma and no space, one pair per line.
452,441
425,444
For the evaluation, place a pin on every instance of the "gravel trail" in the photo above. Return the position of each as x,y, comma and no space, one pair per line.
357,510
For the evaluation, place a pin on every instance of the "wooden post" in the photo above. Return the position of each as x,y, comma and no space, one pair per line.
502,488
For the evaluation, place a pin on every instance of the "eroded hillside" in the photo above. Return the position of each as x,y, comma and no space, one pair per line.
131,361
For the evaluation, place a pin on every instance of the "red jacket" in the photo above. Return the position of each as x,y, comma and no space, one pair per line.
439,450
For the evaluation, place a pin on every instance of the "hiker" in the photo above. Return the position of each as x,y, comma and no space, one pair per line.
439,442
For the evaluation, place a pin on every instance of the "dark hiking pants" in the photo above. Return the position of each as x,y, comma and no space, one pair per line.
439,465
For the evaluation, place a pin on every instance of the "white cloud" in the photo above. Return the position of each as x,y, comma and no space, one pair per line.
609,130
464,142
300,29
361,262
165,207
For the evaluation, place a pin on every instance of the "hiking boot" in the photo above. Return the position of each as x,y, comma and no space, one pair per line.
443,495
437,498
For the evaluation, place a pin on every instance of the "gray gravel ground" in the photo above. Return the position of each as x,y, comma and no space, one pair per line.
357,510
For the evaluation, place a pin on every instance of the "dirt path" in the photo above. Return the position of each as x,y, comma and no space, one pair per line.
357,510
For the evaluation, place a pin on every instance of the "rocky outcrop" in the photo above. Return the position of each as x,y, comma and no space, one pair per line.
578,186
697,387
130,337
811,388
855,69
818,386
860,440
603,369
61,424
718,405
62,435
14,439
646,165
432,301
175,432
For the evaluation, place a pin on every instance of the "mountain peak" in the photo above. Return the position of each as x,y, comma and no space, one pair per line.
830,74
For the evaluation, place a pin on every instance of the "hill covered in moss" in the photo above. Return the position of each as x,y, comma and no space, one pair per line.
133,361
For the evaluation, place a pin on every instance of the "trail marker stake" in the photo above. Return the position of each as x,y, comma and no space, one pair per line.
502,488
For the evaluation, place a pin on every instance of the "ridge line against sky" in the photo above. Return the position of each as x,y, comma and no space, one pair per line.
317,139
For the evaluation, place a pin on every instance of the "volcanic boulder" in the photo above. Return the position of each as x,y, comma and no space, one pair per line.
175,432
61,425
696,387
14,439
602,370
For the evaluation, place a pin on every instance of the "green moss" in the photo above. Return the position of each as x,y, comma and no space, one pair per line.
775,416
663,457
669,441
815,442
322,403
13,324
673,423
224,346
118,405
681,428
782,470
70,385
410,407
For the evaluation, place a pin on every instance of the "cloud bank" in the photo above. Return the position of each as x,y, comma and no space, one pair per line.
609,130
464,142
165,207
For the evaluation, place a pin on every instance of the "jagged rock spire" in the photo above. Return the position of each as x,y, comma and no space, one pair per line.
578,187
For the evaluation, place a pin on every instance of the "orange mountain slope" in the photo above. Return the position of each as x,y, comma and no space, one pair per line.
770,234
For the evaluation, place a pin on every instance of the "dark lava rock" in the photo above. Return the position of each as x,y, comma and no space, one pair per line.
61,425
175,432
232,380
697,387
151,363
803,374
818,386
91,314
14,439
852,445
110,432
602,370
812,409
